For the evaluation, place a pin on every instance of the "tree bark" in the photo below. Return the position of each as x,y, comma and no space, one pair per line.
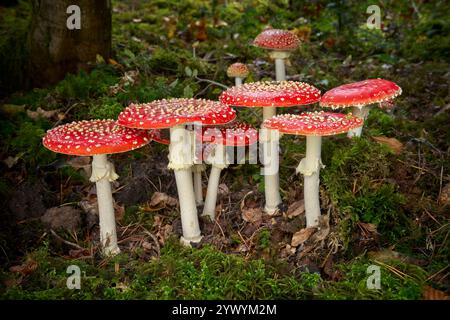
55,49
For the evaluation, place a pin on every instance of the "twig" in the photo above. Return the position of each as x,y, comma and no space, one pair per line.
440,183
155,240
435,274
65,114
65,241
221,230
212,82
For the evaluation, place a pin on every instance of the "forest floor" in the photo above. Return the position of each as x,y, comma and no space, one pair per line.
385,197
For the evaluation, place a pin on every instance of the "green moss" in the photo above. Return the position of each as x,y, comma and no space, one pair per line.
393,287
356,178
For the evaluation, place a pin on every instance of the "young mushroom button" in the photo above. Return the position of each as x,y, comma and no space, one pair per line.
313,125
359,95
238,71
97,138
175,114
280,42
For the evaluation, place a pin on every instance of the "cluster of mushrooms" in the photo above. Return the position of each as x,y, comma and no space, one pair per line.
204,131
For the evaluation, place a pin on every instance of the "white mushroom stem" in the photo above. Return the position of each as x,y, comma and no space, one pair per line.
180,160
362,113
197,170
280,69
269,140
102,174
310,168
237,81
218,160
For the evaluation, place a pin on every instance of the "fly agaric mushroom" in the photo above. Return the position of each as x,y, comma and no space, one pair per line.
359,95
98,138
236,134
313,125
176,114
270,95
238,71
281,43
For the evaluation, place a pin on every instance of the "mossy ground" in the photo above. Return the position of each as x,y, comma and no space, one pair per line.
382,205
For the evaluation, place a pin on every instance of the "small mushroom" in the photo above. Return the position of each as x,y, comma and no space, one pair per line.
281,43
98,138
270,95
359,95
176,114
237,134
313,125
238,71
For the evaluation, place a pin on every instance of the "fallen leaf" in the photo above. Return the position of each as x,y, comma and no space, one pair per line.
25,269
252,214
296,208
41,113
301,236
119,211
323,230
147,245
395,145
223,190
287,251
429,293
78,253
11,161
160,199
444,197
368,230
81,163
386,255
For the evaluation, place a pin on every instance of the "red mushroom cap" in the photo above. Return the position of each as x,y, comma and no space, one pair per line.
277,39
360,93
271,94
313,123
234,134
157,136
237,70
168,113
93,137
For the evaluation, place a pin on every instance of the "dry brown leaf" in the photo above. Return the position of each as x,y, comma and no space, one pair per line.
81,163
119,211
160,200
78,253
223,190
444,197
25,269
164,233
368,229
41,113
288,251
395,145
301,236
252,214
89,206
430,293
296,208
324,229
11,161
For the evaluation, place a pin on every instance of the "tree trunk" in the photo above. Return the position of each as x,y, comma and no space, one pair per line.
55,49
